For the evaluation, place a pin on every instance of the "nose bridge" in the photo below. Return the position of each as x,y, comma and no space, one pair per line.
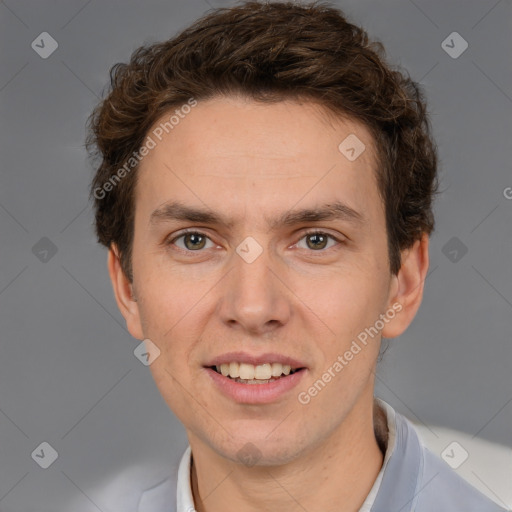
255,298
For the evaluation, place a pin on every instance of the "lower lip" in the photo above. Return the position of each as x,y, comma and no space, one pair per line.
255,393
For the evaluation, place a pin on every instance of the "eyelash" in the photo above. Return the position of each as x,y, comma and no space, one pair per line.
195,232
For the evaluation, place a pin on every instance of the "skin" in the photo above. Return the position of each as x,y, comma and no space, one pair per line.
300,298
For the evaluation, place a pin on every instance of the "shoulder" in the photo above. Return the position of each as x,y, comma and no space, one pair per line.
441,488
443,485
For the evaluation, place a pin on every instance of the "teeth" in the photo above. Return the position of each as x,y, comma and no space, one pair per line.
251,374
277,369
263,371
247,371
234,370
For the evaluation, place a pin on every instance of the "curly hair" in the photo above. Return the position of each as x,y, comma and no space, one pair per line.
269,52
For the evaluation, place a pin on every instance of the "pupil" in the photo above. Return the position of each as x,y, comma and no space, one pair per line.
317,236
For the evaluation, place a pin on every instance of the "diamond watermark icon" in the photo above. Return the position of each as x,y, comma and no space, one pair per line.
146,352
249,454
454,45
454,249
454,455
44,45
45,455
44,250
249,249
351,147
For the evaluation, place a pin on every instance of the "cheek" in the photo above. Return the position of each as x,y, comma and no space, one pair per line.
345,301
160,312
174,332
167,298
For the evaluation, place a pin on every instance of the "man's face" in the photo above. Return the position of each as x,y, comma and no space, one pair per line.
259,287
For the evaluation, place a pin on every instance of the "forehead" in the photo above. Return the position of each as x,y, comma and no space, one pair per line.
285,129
240,150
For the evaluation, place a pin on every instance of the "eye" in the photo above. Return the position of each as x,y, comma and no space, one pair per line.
318,240
192,240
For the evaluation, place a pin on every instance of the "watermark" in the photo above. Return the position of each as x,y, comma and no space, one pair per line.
304,397
352,147
45,455
149,144
249,454
44,45
454,455
174,120
507,192
454,249
454,45
146,352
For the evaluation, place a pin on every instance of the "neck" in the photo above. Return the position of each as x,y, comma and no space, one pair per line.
344,466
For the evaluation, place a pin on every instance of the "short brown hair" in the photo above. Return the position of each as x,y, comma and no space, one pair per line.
269,52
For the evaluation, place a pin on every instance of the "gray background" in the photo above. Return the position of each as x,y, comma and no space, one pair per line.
68,375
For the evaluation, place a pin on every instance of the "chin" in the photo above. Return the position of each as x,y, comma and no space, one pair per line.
259,450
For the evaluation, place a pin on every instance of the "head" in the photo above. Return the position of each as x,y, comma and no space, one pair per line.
303,168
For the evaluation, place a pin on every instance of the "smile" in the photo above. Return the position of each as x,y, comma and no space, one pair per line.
254,390
254,374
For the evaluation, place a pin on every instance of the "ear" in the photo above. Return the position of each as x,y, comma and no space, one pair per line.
406,289
123,291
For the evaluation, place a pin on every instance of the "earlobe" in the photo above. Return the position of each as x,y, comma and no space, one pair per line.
124,294
407,287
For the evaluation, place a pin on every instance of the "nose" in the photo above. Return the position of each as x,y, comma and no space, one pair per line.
255,298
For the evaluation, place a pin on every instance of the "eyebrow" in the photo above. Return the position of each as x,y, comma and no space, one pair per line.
175,210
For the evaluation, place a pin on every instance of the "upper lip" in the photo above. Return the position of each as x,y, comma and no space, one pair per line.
255,359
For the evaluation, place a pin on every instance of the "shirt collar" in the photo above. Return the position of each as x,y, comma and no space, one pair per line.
402,474
393,488
184,499
390,447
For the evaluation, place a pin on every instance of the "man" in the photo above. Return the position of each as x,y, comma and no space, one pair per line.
265,192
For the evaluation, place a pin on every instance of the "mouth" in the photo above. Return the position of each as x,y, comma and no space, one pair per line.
244,373
255,379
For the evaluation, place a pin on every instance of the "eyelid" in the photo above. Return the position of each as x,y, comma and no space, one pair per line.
314,231
340,239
